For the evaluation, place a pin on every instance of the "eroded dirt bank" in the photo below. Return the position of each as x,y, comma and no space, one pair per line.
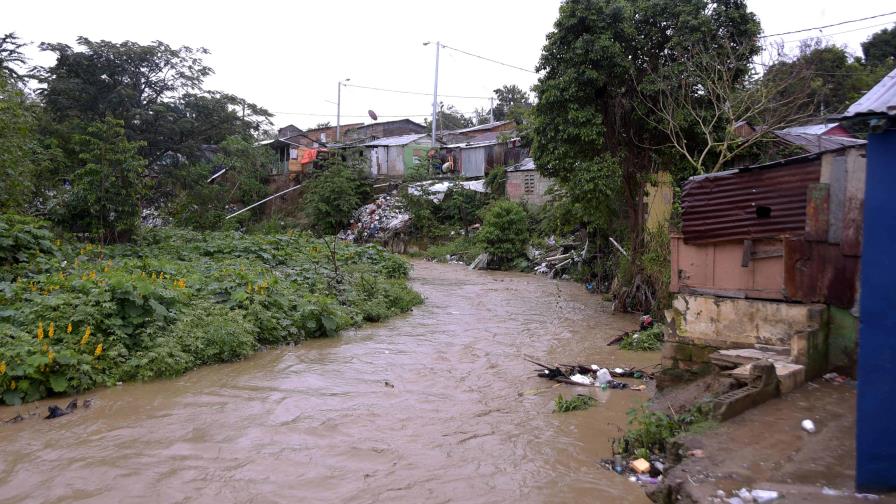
318,422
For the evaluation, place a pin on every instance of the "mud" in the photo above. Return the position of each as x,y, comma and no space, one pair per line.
765,448
464,420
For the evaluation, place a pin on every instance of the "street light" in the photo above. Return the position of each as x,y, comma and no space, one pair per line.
435,93
339,106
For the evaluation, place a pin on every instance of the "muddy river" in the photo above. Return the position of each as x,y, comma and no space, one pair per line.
463,419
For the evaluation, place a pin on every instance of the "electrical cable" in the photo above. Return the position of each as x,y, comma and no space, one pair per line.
829,26
489,59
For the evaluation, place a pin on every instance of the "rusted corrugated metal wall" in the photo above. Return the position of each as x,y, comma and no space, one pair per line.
759,203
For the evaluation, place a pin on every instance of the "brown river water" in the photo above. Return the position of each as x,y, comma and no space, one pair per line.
466,421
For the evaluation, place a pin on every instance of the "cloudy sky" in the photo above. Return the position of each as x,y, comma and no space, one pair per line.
289,56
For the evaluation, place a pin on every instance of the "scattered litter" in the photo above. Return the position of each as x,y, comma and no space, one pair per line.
842,493
763,496
56,412
388,384
638,388
603,377
640,465
377,221
436,190
835,378
808,425
481,262
650,480
696,453
582,379
735,500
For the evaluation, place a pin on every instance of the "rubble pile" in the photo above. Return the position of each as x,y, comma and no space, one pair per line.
379,220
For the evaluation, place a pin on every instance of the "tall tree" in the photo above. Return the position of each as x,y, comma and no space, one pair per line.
834,78
156,91
12,60
449,118
512,104
880,48
17,137
595,65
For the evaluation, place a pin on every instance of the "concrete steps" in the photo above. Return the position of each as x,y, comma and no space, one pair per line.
738,364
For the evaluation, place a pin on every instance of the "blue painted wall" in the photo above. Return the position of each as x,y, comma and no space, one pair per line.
876,415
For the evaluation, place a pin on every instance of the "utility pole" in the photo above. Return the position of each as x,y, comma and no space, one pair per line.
339,106
435,94
491,110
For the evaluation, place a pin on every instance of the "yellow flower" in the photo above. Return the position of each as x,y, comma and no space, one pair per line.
51,356
45,348
83,277
105,269
58,242
86,336
51,331
154,275
181,283
98,351
161,276
40,331
2,367
69,328
12,385
93,275
142,274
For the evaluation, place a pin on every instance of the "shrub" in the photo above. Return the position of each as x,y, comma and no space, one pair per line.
211,333
496,181
334,194
649,340
505,232
650,431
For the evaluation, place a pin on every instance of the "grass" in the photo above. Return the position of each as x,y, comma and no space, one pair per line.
649,340
575,403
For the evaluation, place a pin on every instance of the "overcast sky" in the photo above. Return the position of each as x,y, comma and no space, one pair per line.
289,56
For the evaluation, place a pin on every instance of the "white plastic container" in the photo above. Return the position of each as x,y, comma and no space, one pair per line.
603,376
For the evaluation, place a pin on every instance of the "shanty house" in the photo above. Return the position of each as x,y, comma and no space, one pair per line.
524,183
390,156
384,129
768,256
468,134
477,159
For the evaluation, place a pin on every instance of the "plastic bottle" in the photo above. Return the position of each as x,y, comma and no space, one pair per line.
603,376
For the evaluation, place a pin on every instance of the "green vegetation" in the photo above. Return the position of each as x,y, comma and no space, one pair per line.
649,340
505,231
74,316
650,431
334,194
575,403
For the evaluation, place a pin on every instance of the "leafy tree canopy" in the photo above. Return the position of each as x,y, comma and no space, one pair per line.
156,91
512,103
880,48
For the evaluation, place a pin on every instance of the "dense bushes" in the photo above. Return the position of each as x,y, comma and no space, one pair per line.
334,194
77,315
505,231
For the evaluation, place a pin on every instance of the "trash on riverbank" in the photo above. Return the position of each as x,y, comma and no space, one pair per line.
808,426
56,412
639,470
436,190
591,376
557,258
379,220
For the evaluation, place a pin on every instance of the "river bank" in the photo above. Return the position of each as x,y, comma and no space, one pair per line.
460,423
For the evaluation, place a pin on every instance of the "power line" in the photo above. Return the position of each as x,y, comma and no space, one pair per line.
313,114
415,92
840,33
829,26
489,59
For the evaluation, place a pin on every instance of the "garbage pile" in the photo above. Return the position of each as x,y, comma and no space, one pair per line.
638,470
379,220
592,375
558,258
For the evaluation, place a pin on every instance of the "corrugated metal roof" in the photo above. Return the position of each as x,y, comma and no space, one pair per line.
815,142
725,206
396,140
811,129
881,100
524,165
480,127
